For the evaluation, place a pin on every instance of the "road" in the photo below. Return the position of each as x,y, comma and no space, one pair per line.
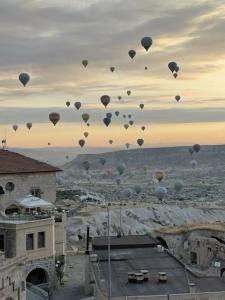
73,288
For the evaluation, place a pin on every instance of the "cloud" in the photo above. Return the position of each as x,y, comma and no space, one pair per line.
71,115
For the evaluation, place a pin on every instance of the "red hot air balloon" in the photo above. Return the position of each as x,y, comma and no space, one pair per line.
54,117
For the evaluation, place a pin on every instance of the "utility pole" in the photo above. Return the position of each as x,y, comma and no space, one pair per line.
109,256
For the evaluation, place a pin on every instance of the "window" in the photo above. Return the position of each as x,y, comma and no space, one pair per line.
2,242
30,241
36,192
193,258
41,239
209,249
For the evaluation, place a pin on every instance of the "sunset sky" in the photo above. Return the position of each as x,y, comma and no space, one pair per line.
49,39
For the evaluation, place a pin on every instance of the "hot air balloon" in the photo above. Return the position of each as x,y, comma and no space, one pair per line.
127,193
120,168
128,93
85,117
175,75
49,144
67,156
29,125
194,164
112,69
129,116
146,42
143,128
118,180
178,185
86,134
81,143
141,106
110,142
132,53
24,78
117,113
105,100
124,116
131,122
177,97
77,105
109,115
196,148
172,66
107,121
159,175
88,124
67,103
119,97
160,192
126,126
85,62
146,68
86,165
191,151
137,189
54,117
15,127
140,142
127,145
102,160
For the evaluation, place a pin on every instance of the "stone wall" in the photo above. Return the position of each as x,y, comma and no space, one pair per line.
46,181
12,279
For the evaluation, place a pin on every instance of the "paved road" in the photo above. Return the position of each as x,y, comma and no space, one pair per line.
73,288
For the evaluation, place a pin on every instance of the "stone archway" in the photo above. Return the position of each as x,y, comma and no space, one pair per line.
38,276
12,209
162,242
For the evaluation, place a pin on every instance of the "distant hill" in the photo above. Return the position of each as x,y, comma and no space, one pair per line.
213,155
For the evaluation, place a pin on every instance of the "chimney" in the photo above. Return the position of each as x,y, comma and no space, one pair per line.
87,240
192,288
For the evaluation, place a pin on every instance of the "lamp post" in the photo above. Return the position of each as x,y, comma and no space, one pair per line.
109,256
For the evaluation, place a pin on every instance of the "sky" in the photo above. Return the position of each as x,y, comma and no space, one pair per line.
49,39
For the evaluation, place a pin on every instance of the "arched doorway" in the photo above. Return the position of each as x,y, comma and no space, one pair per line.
222,273
162,242
37,276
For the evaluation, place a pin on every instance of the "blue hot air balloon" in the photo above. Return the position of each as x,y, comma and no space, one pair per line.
107,121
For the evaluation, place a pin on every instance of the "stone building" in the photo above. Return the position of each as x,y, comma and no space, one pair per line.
29,225
21,175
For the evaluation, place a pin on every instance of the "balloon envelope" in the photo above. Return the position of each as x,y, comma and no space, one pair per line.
15,127
24,78
196,148
85,117
102,160
29,125
146,42
107,121
77,105
105,99
140,142
132,53
86,165
54,117
120,168
160,192
85,62
81,143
